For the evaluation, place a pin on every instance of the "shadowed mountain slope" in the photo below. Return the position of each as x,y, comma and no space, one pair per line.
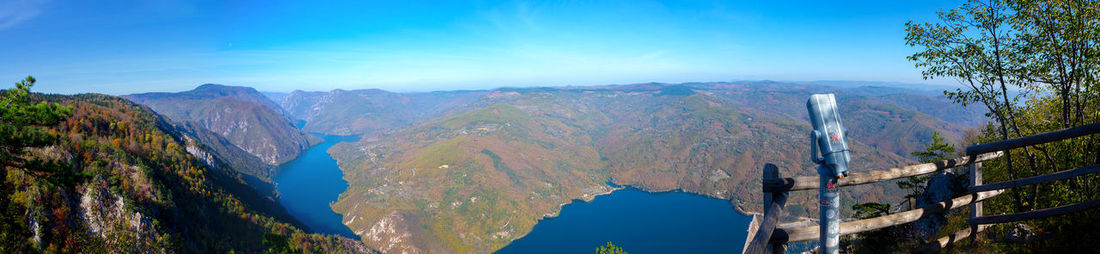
240,116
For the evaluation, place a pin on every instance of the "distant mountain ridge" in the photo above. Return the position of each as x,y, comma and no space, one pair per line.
241,116
356,112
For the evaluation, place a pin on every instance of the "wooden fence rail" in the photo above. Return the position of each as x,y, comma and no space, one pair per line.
1060,175
943,242
1037,214
812,232
770,235
811,182
1036,139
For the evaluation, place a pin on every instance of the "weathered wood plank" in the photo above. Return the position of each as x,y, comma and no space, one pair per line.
1060,175
773,209
975,181
939,244
1035,139
812,232
976,207
797,224
1037,214
857,178
753,227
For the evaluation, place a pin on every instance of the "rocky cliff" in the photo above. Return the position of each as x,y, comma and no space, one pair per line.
241,116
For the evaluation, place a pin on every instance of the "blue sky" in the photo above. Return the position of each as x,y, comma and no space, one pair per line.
121,47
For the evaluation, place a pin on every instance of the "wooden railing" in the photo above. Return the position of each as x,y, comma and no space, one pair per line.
767,235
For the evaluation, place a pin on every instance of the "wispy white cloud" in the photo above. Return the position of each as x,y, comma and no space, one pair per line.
13,12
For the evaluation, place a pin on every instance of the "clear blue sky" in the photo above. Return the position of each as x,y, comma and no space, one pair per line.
121,47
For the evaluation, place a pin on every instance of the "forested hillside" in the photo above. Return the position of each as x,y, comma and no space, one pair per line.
111,176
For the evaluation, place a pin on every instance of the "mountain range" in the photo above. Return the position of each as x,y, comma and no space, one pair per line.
357,112
243,126
490,164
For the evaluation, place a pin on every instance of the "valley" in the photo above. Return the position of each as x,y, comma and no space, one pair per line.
506,127
485,171
475,171
307,185
244,127
549,127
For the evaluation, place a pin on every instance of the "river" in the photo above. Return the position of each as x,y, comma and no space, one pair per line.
310,182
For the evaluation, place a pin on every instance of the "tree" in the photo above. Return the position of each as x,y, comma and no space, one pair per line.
876,241
888,239
1033,65
276,243
22,125
609,249
1059,37
975,44
938,150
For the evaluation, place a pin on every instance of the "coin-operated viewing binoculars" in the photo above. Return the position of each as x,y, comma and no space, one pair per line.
829,135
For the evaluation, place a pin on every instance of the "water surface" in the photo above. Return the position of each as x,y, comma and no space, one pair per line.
640,222
310,182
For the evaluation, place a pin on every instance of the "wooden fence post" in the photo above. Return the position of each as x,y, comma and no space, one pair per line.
975,207
773,209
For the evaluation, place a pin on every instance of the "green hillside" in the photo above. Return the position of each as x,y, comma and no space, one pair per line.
481,176
137,184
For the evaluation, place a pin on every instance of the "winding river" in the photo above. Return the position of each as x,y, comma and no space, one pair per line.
637,221
310,182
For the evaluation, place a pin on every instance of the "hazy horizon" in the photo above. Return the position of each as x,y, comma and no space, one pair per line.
832,83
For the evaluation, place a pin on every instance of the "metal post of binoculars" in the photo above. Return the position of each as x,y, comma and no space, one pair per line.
829,135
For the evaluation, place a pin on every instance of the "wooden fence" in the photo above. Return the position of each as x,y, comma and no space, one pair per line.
767,235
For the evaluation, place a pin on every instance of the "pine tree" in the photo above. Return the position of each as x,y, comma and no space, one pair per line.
610,249
22,125
938,150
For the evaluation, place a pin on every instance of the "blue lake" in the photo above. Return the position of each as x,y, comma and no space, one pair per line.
637,221
640,222
309,183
